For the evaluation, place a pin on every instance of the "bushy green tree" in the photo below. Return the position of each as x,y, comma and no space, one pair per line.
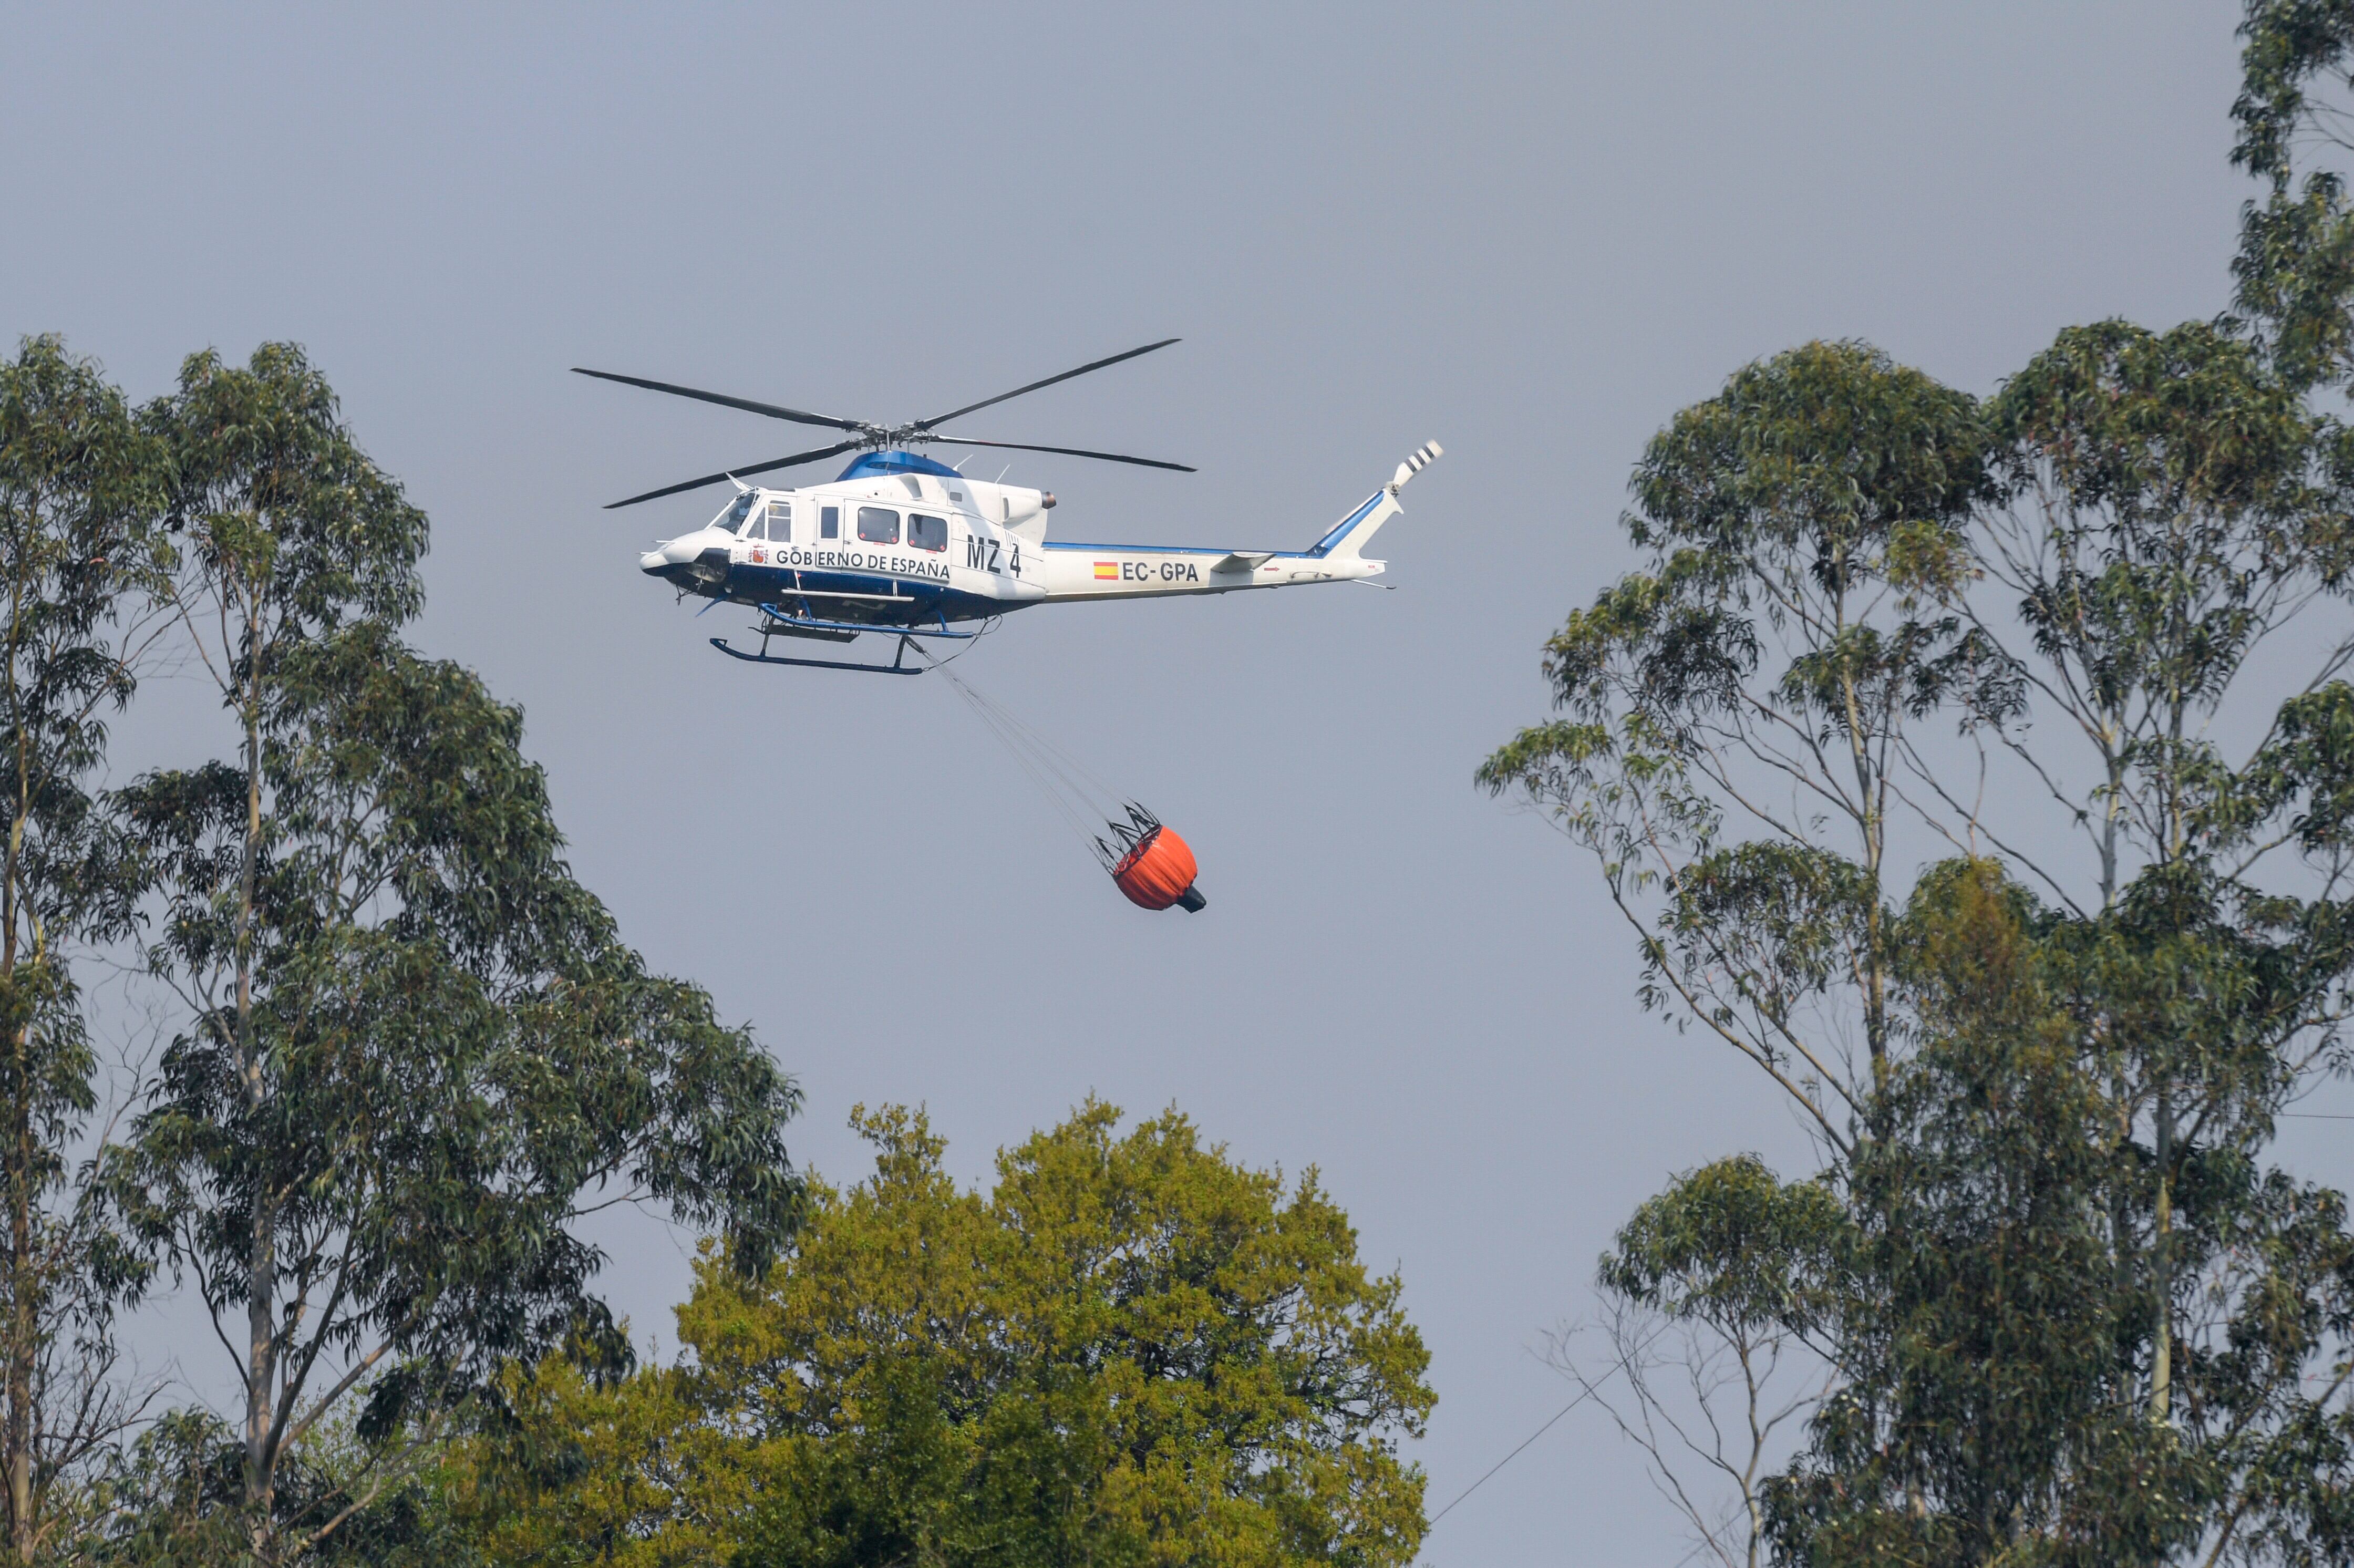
1132,1351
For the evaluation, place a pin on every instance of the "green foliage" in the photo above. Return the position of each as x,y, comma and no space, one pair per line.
2184,507
81,490
2071,1317
1731,1246
1991,1336
1821,462
1816,482
1984,1403
1805,529
2296,263
289,529
446,1046
169,1500
173,1499
1715,1293
414,1051
1133,1351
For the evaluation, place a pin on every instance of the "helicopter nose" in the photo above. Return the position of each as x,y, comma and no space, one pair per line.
666,554
690,562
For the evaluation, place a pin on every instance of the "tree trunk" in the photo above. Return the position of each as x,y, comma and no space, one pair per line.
1868,803
23,1322
24,1283
261,1273
2162,1359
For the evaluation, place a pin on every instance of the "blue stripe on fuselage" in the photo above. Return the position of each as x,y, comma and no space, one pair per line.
1341,529
1172,549
916,600
767,582
1322,547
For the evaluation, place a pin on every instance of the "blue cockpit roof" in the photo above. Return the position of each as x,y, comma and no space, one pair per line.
870,463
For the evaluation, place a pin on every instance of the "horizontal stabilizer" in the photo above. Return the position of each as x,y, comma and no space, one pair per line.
1243,561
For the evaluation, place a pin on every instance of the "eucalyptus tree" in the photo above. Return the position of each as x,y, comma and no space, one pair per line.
81,491
1739,709
415,1053
2110,618
1716,1293
1981,1413
2294,268
2173,510
1864,592
286,531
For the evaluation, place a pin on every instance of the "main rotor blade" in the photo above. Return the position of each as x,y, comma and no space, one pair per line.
774,410
1065,376
836,449
1066,451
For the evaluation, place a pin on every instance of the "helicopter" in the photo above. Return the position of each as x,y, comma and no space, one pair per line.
902,544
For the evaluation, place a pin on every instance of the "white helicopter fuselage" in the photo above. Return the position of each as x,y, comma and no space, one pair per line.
900,540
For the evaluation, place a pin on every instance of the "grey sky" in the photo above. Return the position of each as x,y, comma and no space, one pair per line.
1530,232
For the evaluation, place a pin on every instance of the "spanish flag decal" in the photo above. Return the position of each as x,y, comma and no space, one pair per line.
1107,570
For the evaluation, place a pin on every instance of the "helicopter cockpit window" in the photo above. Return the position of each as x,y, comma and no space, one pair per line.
733,518
878,524
927,533
781,522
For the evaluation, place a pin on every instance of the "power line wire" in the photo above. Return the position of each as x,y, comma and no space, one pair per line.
1585,1394
1508,1458
1590,1389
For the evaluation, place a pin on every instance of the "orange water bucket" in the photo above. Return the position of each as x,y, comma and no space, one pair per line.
1159,871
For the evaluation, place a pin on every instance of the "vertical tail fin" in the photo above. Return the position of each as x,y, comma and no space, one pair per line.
1348,536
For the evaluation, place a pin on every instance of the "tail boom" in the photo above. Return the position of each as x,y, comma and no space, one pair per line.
1078,571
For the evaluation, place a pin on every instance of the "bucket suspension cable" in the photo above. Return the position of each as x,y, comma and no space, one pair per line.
1141,825
1084,801
1151,864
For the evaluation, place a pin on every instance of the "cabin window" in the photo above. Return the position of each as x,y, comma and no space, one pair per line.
735,516
829,522
878,524
927,533
781,522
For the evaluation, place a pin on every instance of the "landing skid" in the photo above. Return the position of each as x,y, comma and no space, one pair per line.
892,668
775,623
